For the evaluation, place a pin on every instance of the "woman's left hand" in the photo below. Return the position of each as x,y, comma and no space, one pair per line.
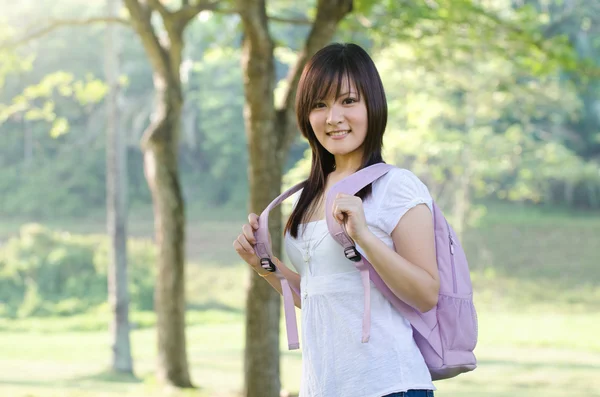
349,210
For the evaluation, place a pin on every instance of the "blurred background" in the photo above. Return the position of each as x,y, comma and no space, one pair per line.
494,104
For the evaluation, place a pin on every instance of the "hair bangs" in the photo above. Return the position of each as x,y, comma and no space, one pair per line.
327,80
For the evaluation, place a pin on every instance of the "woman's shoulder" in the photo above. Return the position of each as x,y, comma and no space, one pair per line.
397,192
400,180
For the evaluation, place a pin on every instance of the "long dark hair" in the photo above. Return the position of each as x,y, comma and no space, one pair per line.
322,75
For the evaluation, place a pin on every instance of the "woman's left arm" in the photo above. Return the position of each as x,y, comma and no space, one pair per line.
410,270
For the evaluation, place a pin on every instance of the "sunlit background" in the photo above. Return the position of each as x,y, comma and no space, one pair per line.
494,104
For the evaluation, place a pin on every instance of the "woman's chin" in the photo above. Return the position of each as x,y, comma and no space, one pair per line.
341,152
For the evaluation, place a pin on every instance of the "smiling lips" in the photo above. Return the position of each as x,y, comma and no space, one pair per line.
338,134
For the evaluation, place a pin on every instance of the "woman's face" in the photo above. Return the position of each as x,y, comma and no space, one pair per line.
340,124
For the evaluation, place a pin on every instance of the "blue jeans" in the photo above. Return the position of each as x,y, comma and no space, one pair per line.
412,393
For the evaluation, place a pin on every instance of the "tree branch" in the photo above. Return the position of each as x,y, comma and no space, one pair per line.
508,26
227,11
329,14
59,23
572,13
293,21
188,12
141,22
255,23
162,10
273,18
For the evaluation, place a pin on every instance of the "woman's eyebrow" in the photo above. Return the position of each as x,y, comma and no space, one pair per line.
353,92
346,93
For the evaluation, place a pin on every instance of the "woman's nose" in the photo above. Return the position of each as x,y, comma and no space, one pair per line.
335,116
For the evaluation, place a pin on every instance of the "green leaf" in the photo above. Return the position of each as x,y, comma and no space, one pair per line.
44,113
90,92
59,127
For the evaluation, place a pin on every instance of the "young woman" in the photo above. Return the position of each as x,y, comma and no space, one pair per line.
342,112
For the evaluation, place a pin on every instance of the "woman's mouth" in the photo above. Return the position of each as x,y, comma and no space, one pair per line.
338,134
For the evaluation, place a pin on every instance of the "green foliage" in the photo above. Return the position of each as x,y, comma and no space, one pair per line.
38,102
45,272
12,61
215,145
68,185
213,156
542,38
515,62
487,121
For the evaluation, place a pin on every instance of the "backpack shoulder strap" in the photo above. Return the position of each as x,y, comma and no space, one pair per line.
351,185
287,277
263,244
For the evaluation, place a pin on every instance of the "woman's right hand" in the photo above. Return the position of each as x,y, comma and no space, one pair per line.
245,242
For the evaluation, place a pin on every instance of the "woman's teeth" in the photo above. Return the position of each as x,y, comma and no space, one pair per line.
339,133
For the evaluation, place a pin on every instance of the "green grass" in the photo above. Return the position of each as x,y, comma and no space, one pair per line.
517,361
537,284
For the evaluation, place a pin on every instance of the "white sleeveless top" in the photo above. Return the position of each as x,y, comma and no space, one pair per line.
334,361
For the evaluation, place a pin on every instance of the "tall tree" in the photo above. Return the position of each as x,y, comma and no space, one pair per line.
160,146
270,128
116,198
163,43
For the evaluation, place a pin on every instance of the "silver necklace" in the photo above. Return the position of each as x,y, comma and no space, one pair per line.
306,254
307,243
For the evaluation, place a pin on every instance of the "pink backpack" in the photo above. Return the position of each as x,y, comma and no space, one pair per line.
446,335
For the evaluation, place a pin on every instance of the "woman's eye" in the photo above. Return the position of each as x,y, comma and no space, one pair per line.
319,105
348,101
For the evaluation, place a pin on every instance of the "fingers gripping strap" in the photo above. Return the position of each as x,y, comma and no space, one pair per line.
261,250
343,239
350,185
290,315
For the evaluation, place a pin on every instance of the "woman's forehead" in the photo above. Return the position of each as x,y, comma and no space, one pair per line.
340,85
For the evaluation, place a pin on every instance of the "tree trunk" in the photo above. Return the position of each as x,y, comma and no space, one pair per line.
269,132
592,195
116,193
262,305
569,192
162,174
160,146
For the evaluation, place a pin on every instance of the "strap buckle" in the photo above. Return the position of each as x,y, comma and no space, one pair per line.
267,264
352,254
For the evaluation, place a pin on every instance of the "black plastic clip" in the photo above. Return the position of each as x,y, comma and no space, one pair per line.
266,264
352,254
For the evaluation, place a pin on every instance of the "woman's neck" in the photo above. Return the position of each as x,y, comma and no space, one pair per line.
347,165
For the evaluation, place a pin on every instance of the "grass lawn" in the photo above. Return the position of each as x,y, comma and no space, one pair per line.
537,283
511,362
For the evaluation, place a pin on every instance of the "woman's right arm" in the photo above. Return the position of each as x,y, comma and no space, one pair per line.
244,246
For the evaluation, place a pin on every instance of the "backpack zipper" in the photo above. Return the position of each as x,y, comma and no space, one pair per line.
452,258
